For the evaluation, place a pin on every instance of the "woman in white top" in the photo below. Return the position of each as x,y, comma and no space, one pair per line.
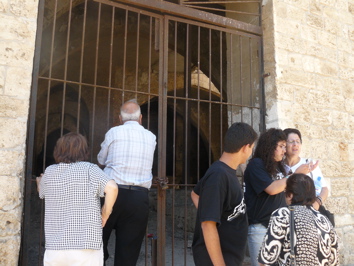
293,160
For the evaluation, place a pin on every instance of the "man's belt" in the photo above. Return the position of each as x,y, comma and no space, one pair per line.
132,187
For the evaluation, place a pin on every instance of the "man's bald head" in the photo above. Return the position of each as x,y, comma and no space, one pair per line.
130,111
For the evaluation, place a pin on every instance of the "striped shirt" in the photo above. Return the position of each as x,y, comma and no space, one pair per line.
72,194
128,153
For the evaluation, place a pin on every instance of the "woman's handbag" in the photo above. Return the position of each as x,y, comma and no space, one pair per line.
292,237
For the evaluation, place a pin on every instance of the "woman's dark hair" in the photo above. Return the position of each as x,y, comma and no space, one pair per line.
289,131
265,149
70,148
303,189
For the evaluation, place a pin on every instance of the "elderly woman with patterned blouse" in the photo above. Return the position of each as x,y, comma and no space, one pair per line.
316,242
73,216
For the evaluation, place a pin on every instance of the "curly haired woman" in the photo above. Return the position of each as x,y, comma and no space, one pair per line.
265,183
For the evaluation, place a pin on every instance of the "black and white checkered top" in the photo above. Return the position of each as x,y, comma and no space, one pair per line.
72,194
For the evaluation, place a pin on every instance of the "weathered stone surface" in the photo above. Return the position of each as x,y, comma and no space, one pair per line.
11,195
11,162
9,250
13,132
12,107
10,223
340,187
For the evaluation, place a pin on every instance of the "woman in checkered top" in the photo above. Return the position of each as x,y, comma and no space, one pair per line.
73,217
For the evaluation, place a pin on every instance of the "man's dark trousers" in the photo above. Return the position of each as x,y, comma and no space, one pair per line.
129,219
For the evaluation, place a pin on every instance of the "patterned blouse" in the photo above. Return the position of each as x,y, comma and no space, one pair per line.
316,242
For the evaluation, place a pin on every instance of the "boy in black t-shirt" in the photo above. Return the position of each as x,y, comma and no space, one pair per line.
221,226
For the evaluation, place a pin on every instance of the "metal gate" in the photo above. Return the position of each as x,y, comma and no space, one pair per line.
192,78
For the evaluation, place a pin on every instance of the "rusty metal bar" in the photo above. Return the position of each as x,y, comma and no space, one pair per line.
221,2
81,65
241,76
221,93
125,52
161,193
110,67
137,55
179,10
223,10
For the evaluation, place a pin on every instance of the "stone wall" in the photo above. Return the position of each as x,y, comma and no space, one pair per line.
18,22
309,54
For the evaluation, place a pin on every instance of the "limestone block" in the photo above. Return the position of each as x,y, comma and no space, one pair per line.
346,73
303,4
12,132
316,7
332,168
331,26
343,220
314,21
9,250
10,196
351,123
308,63
319,51
328,39
351,7
11,162
344,44
13,108
326,68
351,153
18,82
287,27
296,77
295,61
309,33
293,43
10,223
286,92
340,119
3,5
13,53
340,187
321,116
351,204
338,205
2,78
347,90
281,10
281,57
331,85
337,102
16,28
24,8
333,151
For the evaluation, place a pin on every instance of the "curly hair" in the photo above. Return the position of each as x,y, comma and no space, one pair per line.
266,146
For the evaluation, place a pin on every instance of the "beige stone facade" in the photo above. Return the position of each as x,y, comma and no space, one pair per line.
18,23
309,54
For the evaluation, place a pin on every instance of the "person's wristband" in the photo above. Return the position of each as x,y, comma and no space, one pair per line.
319,200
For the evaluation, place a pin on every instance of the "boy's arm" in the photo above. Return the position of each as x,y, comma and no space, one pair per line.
111,191
212,242
38,181
195,198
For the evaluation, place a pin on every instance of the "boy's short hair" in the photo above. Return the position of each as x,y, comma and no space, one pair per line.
238,135
70,148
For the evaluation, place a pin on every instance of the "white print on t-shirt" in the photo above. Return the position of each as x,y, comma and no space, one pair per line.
239,209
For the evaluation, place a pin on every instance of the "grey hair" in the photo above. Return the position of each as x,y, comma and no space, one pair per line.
130,116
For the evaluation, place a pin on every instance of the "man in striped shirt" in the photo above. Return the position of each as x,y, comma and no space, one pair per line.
127,153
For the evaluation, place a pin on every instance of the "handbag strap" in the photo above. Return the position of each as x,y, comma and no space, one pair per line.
292,236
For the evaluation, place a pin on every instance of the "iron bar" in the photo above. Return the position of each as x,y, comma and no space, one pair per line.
178,10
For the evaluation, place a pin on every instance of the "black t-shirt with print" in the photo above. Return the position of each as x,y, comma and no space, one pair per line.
221,200
260,204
